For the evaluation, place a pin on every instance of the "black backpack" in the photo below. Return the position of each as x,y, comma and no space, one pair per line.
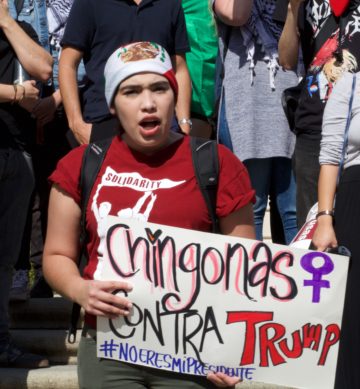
206,166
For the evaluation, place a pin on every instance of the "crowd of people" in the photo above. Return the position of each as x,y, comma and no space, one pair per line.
150,75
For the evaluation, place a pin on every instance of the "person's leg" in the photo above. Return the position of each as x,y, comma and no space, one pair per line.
284,188
276,225
20,283
45,158
162,379
259,172
16,185
23,262
306,169
39,287
37,232
94,372
223,132
88,366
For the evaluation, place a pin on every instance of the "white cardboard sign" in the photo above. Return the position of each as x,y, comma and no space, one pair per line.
201,302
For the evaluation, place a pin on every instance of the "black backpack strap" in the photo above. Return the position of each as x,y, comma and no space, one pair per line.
92,160
206,166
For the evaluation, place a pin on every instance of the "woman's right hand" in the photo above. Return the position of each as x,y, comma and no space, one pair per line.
31,95
223,380
31,91
97,298
324,235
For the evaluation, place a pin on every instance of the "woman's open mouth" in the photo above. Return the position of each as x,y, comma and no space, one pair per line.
149,126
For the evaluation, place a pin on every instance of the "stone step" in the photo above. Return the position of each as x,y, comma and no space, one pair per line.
54,377
50,343
47,313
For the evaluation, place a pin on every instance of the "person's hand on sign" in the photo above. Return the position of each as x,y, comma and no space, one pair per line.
99,298
223,380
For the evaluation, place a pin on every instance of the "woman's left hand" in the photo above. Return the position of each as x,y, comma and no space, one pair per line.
223,380
324,235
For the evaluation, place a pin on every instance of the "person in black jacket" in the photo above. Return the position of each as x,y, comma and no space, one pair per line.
17,46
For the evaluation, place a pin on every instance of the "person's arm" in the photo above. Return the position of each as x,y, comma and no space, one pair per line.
233,12
184,97
334,123
36,61
69,62
324,235
239,223
289,42
7,94
60,259
21,94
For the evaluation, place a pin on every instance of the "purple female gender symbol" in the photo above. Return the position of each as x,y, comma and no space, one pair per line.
317,282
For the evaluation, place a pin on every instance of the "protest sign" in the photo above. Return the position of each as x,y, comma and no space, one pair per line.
201,302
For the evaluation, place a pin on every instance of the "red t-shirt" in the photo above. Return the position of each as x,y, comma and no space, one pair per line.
161,188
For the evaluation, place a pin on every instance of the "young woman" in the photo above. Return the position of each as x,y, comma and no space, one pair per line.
141,91
341,226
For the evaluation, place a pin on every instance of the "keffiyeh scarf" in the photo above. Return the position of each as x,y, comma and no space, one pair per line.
57,14
261,29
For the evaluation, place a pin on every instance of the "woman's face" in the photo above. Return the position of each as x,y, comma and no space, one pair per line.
144,104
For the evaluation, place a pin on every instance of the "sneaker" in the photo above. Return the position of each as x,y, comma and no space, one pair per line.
13,356
40,288
19,290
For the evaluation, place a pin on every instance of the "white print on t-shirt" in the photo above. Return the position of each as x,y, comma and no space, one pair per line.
353,26
141,209
316,14
135,213
101,213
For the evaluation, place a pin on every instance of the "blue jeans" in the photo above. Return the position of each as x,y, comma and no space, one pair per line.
223,133
274,175
81,73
